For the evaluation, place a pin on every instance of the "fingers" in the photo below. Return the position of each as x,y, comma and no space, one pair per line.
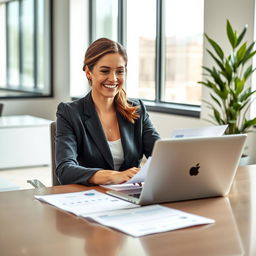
124,176
133,170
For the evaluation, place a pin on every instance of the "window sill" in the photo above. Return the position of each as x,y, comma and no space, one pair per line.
174,109
6,93
169,108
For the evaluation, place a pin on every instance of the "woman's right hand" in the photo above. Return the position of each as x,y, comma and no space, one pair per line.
113,177
122,177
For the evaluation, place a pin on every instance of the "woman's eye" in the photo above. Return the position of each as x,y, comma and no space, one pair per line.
120,71
104,71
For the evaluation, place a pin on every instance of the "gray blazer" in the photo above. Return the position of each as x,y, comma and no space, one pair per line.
81,145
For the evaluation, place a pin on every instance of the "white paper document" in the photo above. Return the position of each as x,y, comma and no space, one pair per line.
139,177
86,202
149,220
208,131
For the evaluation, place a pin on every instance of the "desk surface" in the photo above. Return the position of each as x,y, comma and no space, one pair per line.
22,121
29,227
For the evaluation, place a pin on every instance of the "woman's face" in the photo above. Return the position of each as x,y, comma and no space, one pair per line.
108,75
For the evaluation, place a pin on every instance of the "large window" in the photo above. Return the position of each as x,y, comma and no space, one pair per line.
164,42
25,48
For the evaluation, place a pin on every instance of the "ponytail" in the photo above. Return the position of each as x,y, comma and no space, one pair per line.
124,108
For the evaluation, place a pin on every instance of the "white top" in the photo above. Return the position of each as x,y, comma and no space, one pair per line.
116,149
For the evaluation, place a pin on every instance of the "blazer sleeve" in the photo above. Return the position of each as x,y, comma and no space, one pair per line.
149,133
68,169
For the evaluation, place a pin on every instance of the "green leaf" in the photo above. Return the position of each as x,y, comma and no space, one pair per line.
216,60
208,84
241,53
216,100
249,49
228,73
237,106
217,116
248,72
233,61
217,78
241,36
231,35
247,94
210,105
239,85
249,123
245,104
222,94
207,69
247,57
216,47
232,113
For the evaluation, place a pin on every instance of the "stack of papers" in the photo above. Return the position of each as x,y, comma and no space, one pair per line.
124,216
86,202
149,220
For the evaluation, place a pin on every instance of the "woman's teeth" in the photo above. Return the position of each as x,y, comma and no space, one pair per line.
110,86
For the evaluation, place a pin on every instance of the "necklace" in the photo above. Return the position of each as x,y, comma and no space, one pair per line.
109,128
110,125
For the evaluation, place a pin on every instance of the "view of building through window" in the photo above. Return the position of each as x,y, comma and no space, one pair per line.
141,43
183,51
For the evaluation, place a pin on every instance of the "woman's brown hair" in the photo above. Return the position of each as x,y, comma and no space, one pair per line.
94,53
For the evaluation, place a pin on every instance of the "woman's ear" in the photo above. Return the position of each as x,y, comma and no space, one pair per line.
87,72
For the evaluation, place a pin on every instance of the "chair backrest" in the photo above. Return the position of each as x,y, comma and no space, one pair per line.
1,108
55,181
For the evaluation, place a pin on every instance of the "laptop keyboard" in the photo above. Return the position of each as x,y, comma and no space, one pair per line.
137,195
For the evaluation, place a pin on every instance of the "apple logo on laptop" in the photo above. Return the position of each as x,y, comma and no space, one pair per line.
194,170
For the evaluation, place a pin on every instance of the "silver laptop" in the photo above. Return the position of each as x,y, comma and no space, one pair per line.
188,168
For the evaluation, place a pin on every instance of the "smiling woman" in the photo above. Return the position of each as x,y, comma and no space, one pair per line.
102,137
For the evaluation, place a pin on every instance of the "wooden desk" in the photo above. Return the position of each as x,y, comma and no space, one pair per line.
29,227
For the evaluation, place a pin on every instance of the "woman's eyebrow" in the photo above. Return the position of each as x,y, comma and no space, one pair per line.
104,67
109,67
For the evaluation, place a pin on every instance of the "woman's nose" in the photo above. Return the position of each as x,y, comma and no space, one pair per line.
112,76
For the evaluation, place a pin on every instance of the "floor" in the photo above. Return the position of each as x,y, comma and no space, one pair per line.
20,176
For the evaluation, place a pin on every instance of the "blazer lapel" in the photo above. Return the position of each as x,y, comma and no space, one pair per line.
95,129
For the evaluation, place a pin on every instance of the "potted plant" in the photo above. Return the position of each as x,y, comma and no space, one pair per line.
228,79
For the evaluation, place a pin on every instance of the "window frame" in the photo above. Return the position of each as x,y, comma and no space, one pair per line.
27,92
